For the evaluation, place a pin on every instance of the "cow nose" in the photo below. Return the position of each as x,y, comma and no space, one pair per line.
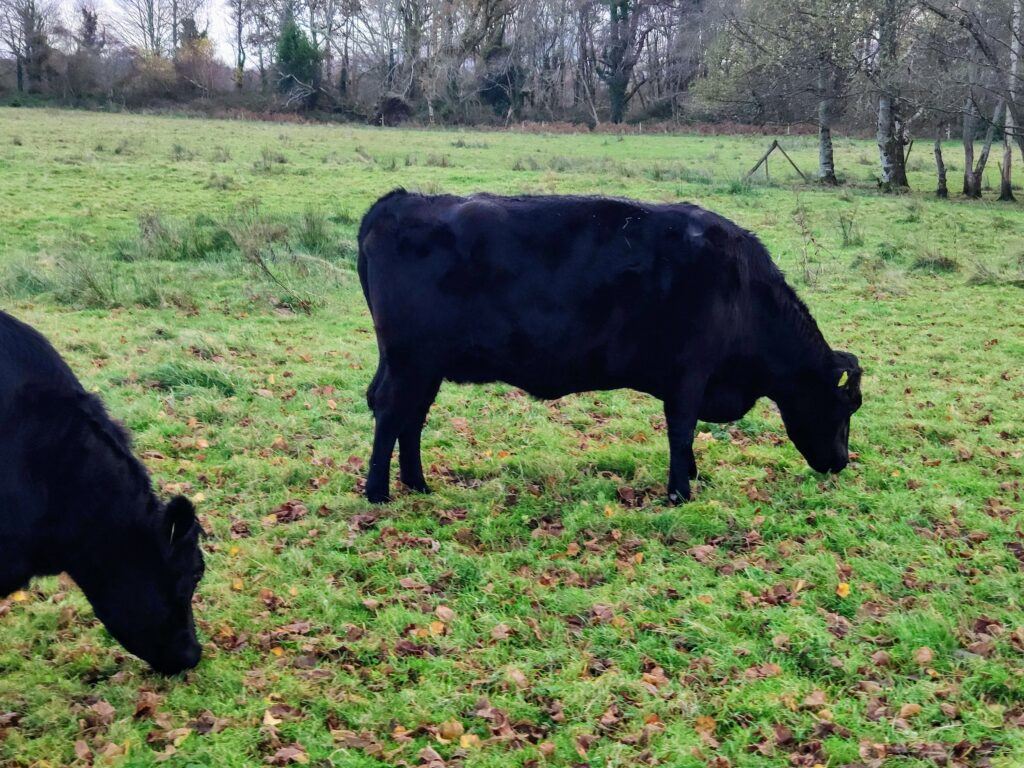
180,659
192,656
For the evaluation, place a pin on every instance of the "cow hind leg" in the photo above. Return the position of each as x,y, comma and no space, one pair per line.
681,417
410,463
398,408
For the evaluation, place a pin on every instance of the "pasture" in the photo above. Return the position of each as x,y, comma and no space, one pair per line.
543,606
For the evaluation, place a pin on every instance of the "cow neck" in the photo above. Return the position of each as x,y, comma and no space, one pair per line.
100,496
793,344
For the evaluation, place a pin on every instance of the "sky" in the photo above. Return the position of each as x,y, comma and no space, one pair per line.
217,17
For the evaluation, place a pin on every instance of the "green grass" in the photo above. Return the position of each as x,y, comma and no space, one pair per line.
199,275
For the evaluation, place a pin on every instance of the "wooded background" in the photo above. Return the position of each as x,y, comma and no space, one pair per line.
905,70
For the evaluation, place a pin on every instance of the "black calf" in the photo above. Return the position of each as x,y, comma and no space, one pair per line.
73,498
566,294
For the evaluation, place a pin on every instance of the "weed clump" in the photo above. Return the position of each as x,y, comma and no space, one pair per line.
221,181
184,375
932,261
268,160
849,229
198,239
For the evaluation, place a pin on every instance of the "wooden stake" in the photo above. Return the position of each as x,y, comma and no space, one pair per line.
764,161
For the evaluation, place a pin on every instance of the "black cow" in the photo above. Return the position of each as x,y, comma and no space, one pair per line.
73,498
567,294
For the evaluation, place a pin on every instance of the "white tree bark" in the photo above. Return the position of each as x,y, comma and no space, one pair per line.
1010,129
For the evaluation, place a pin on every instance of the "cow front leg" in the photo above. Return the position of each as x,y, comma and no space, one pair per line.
681,417
691,462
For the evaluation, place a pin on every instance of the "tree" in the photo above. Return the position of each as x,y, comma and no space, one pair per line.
891,130
298,63
240,11
624,42
24,31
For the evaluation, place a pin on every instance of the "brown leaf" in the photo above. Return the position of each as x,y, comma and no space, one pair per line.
146,705
290,511
815,700
450,730
207,722
705,728
602,614
293,754
881,659
101,713
444,613
583,743
704,553
518,678
910,710
923,655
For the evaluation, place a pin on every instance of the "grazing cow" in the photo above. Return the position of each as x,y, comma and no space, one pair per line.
567,294
73,498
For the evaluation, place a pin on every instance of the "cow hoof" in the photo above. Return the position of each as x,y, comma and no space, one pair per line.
674,497
420,487
378,497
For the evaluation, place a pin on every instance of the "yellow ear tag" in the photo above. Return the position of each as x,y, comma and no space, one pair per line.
843,379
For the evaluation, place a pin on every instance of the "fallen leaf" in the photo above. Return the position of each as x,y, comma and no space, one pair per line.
910,710
450,730
293,754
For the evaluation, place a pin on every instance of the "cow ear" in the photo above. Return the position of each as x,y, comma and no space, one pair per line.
180,524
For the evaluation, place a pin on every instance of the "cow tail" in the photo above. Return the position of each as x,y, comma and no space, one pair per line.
362,266
372,216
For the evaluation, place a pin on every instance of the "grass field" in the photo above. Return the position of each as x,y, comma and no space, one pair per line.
543,606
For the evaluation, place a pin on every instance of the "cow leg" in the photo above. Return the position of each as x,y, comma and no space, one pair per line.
410,464
399,404
692,461
681,417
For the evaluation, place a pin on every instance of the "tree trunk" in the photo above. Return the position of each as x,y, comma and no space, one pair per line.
970,120
890,146
978,174
240,48
20,69
941,190
890,137
617,85
1010,128
826,158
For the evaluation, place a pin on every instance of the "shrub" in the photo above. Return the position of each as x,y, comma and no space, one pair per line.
889,252
313,234
180,152
221,181
179,375
86,282
196,240
24,278
850,230
931,261
268,159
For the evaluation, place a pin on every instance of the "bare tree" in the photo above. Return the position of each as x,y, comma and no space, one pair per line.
24,30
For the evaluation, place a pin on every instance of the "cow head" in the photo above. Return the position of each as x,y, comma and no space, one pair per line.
143,593
817,411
